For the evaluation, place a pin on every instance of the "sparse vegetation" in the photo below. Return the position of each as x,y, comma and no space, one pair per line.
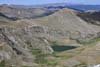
36,51
81,65
2,63
41,58
24,66
54,43
62,55
88,42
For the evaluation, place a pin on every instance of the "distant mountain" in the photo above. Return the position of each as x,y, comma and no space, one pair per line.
76,7
59,6
85,7
32,12
23,13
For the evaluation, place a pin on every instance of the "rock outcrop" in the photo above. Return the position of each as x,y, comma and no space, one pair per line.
20,41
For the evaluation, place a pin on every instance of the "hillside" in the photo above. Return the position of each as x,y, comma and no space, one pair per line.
61,39
23,13
4,18
67,21
91,17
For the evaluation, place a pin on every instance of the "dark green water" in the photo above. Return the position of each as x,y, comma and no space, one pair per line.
62,48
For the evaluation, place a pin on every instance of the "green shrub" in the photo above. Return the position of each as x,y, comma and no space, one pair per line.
51,62
42,60
36,51
2,64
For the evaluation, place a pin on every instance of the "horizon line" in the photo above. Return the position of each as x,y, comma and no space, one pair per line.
48,4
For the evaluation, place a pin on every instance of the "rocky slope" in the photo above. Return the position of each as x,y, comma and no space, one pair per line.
23,13
4,18
91,17
22,40
30,42
66,21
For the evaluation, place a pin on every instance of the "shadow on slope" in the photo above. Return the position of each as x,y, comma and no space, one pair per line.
90,17
4,17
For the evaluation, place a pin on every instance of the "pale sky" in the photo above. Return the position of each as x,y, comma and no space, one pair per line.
36,2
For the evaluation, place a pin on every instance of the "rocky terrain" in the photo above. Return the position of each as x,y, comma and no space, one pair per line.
24,13
64,38
91,17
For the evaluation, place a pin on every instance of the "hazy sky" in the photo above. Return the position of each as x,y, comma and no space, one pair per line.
35,2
